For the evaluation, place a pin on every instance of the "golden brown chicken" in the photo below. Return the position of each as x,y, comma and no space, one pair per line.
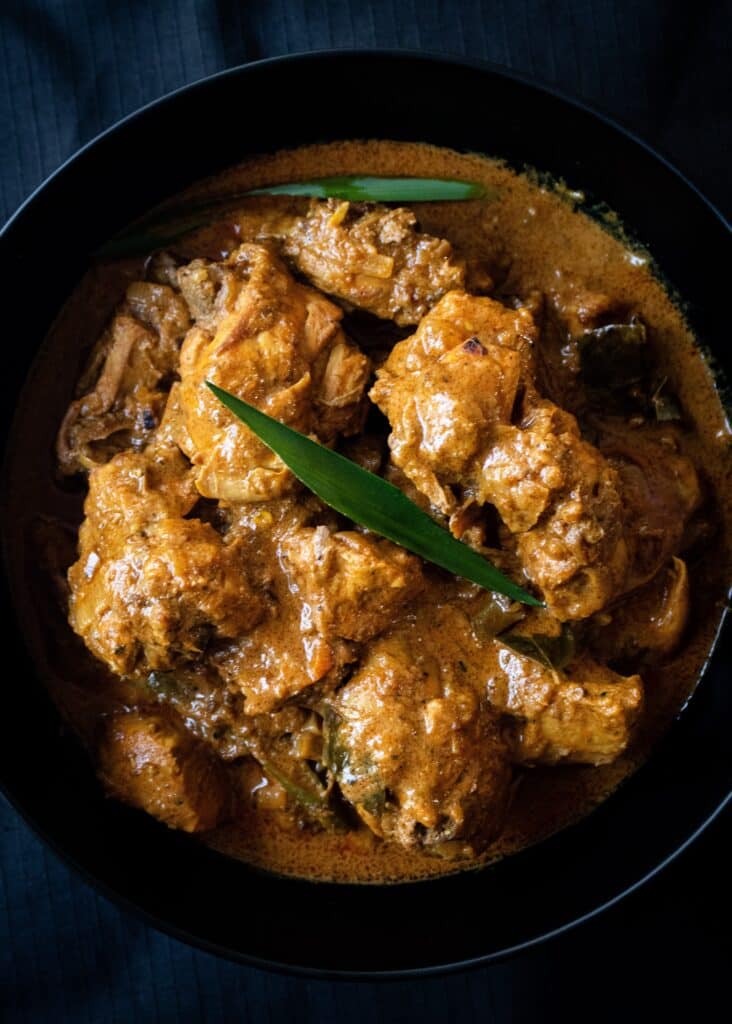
274,343
468,427
336,588
414,736
150,588
369,256
350,585
447,387
414,744
374,258
150,761
583,714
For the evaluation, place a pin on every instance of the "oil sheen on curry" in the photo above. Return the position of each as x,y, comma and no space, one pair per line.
243,663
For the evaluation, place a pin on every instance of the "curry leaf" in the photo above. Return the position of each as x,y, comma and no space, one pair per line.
494,614
307,793
665,407
335,754
158,230
369,500
315,797
367,189
144,240
163,684
614,356
553,652
372,794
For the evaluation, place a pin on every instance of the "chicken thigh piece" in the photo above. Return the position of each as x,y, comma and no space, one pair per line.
150,587
413,745
468,426
278,345
350,585
421,737
582,715
369,256
147,759
562,503
374,258
135,489
338,589
162,596
650,622
446,389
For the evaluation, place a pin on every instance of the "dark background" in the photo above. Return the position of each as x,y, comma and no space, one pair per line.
68,69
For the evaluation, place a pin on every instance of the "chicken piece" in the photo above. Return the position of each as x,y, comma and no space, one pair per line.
350,585
340,388
564,505
446,389
150,588
277,345
583,715
148,760
649,621
161,596
284,655
373,257
211,290
660,490
411,742
132,490
450,393
160,307
615,517
124,385
276,662
458,318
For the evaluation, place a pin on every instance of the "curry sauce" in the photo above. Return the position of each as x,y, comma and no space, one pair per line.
345,644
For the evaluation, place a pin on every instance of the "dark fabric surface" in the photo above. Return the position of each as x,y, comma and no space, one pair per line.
69,68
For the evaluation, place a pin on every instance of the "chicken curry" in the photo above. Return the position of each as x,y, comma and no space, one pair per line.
247,665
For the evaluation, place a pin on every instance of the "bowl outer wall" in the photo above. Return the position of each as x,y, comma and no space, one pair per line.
176,883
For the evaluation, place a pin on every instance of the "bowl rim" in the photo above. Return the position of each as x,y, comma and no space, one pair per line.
389,53
316,973
6,788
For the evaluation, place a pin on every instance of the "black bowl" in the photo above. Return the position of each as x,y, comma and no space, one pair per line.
176,883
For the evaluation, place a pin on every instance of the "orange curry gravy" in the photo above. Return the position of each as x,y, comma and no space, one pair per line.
537,233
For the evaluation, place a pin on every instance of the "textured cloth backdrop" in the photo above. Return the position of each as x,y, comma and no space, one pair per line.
69,68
